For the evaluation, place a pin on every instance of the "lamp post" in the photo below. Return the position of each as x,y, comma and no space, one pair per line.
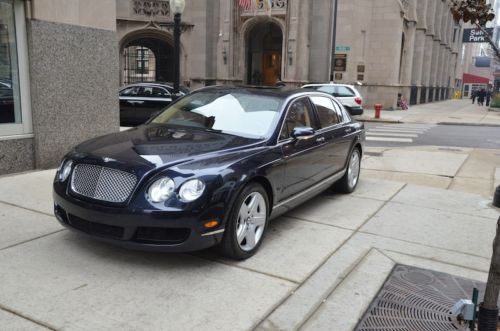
177,8
334,41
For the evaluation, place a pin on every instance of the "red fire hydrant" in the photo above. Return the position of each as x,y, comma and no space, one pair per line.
378,108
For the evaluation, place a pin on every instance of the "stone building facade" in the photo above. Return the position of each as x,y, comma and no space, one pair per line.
390,46
62,61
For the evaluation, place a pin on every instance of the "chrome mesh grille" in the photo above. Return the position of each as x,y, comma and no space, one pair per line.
102,183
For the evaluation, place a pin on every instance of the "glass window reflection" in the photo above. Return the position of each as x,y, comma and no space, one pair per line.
10,107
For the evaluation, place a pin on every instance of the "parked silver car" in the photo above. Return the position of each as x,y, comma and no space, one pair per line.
348,95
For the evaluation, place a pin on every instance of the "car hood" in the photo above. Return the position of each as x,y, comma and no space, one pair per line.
154,146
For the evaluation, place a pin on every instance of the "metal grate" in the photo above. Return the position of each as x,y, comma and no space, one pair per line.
102,183
417,299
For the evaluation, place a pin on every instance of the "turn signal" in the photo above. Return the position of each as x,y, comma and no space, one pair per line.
211,224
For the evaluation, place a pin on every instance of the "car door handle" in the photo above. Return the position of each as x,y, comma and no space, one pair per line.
320,140
135,102
349,130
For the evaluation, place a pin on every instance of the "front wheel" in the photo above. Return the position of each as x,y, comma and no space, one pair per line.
247,223
348,183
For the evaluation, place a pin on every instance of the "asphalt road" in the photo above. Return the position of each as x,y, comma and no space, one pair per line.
400,135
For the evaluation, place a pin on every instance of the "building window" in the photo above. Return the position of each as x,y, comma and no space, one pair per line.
142,60
15,117
10,110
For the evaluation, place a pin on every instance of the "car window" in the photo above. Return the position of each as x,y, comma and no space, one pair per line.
327,113
146,91
299,114
344,92
130,91
160,92
342,113
235,112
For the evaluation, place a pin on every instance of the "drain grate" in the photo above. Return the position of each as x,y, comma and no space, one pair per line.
414,299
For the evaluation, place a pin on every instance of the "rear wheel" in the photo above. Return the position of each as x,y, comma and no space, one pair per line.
247,223
349,181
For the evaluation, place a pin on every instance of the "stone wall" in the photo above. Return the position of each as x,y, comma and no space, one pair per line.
16,155
74,86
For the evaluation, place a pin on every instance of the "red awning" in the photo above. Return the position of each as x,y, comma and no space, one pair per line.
473,79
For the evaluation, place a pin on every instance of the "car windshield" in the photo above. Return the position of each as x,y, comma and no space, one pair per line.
239,113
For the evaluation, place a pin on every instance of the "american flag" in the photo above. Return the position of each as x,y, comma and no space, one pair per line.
246,4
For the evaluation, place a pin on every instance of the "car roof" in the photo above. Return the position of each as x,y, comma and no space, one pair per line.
148,84
328,84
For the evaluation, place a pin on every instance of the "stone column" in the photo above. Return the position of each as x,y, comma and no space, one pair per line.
320,27
436,49
419,49
429,49
408,58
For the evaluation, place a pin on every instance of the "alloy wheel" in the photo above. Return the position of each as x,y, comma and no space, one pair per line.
353,170
251,221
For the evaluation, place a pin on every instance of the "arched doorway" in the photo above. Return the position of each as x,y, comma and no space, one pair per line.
147,58
264,54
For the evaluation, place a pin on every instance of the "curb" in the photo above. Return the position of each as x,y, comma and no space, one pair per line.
469,124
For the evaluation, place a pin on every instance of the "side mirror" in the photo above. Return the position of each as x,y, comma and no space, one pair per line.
302,133
353,111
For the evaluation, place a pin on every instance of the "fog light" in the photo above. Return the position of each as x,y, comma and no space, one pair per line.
211,224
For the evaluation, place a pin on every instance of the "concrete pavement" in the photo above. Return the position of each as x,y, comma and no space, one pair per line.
318,269
449,112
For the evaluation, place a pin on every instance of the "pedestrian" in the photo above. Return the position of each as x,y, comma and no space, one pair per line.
473,96
488,98
402,103
481,95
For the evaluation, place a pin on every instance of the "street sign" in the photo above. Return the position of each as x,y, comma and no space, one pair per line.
476,35
343,48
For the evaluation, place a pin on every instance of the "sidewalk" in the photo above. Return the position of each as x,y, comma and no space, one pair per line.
318,269
444,112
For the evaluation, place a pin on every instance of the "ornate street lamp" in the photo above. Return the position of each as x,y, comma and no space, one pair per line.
177,9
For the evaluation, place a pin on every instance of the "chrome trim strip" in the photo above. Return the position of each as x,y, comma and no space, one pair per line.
213,232
326,181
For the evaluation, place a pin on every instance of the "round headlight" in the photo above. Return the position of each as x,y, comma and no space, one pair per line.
161,190
191,190
65,171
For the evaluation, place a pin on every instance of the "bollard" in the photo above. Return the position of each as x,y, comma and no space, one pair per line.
487,319
378,108
496,198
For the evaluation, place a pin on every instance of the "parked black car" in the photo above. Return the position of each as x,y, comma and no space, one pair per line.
138,102
211,169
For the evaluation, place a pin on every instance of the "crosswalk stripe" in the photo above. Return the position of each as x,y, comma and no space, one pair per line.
399,140
403,127
403,135
410,125
396,131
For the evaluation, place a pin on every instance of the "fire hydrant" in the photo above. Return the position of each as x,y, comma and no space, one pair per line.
378,108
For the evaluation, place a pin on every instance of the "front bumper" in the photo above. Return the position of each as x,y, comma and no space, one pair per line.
152,230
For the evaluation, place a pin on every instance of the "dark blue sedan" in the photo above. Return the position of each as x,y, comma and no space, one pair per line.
211,169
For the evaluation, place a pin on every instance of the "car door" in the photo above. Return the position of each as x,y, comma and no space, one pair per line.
346,131
334,134
302,157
